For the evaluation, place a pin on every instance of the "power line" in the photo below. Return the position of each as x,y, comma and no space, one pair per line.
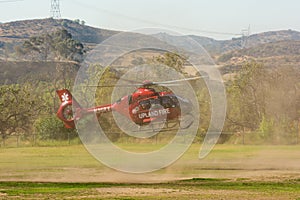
154,23
10,1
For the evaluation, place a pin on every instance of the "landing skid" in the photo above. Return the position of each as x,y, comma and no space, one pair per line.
183,123
186,121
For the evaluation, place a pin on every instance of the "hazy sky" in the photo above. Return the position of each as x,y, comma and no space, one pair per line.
226,17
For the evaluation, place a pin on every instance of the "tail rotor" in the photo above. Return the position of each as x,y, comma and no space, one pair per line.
65,111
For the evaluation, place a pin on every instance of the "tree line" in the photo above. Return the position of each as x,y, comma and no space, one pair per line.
266,101
260,101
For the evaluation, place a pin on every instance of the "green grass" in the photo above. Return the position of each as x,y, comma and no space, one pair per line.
186,189
22,158
18,162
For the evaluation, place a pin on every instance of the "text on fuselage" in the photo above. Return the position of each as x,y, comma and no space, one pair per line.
102,109
154,113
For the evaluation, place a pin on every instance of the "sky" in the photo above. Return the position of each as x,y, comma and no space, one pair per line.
219,19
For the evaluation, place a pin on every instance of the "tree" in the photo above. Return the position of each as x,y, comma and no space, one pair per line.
282,107
266,101
247,98
59,45
19,106
172,60
51,128
77,21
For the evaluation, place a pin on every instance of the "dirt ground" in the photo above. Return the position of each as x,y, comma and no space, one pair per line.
238,165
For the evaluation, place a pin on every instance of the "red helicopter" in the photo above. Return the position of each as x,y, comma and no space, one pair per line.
143,106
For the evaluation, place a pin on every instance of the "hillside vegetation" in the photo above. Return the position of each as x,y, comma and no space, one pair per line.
20,30
22,71
273,49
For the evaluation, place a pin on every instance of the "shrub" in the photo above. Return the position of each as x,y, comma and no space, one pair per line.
51,128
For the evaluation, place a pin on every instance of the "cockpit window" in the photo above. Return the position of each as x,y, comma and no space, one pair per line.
166,102
174,99
150,103
154,102
145,104
169,101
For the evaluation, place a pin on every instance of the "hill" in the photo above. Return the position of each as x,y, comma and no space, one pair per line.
229,48
216,47
280,48
13,32
20,30
17,31
273,36
273,48
273,54
22,71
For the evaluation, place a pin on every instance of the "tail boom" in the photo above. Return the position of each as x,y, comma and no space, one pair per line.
68,104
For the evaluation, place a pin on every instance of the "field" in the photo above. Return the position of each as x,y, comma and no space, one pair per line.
229,172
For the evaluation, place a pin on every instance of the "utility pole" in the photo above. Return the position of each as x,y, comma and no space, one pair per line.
55,10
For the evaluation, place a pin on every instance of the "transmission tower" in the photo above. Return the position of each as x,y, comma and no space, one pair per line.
55,10
245,35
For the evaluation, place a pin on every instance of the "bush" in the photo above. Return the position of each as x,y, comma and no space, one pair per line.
266,128
51,128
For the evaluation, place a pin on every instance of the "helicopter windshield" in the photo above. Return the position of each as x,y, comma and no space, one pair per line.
149,103
169,101
145,104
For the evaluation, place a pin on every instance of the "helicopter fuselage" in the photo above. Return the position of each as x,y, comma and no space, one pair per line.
142,107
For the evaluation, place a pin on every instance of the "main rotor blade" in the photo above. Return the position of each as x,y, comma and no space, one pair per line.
129,85
179,80
134,85
137,84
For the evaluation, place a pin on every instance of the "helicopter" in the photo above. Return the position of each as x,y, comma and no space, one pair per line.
144,106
